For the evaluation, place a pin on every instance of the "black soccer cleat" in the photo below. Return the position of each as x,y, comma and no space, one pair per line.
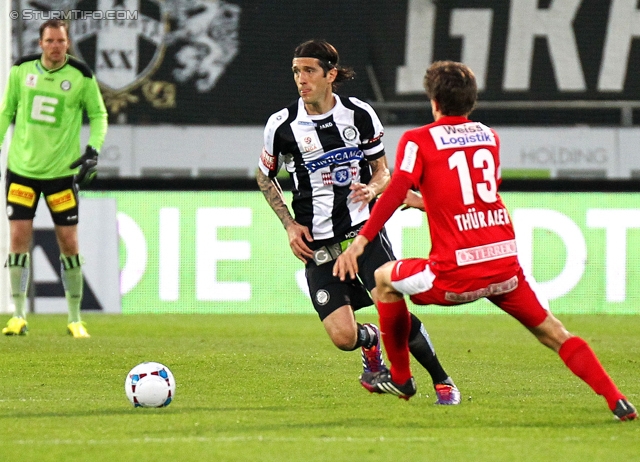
625,411
381,382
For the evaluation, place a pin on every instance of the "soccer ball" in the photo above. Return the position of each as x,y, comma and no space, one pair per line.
150,384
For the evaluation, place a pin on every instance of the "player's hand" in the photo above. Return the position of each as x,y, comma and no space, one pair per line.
88,163
361,193
347,262
299,235
413,200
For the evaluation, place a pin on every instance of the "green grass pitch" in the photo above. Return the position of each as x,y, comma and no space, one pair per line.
273,388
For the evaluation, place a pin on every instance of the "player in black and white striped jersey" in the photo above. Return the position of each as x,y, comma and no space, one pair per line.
332,148
325,154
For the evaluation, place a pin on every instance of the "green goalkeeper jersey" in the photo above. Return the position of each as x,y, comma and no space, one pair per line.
48,108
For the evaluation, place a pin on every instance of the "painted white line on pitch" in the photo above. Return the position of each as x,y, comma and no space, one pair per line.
218,439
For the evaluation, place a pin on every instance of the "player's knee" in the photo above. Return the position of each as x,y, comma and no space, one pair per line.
383,277
342,328
552,333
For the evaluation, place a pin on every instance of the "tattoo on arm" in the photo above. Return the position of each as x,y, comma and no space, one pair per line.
273,194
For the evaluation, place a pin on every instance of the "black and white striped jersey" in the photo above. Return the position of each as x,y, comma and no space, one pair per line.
323,155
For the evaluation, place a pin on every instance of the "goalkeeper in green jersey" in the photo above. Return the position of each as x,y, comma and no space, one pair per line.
46,96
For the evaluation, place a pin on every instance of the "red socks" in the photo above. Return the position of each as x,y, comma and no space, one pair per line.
395,324
582,361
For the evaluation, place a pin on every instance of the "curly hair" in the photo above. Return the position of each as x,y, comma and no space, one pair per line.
453,85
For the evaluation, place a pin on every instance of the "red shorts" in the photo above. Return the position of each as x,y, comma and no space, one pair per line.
515,295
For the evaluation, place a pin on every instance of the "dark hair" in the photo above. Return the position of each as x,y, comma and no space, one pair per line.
328,57
54,24
453,85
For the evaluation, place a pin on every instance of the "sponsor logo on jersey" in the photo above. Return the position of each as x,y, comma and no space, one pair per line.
31,80
326,125
46,108
310,148
498,288
305,123
341,176
409,158
268,160
21,195
350,133
61,201
308,144
65,85
335,157
486,252
463,135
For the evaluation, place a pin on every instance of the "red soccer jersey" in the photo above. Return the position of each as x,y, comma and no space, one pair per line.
455,164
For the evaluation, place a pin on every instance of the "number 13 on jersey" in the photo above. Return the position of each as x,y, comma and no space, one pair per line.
483,160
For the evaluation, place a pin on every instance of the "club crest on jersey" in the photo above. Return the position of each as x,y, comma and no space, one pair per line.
31,80
349,133
65,85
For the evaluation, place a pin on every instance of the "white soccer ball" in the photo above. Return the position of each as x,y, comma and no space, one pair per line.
150,384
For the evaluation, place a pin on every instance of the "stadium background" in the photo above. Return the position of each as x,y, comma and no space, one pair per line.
209,73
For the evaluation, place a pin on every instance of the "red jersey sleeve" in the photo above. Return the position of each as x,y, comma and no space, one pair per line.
388,203
406,172
408,162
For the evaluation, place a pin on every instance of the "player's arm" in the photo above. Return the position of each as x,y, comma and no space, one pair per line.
407,170
9,103
407,164
275,198
380,175
97,113
298,234
347,263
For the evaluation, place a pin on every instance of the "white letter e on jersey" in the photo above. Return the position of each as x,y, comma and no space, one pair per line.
42,107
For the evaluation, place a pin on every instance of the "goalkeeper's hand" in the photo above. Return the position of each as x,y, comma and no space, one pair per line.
88,163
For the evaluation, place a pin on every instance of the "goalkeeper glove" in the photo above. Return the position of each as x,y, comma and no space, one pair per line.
88,163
